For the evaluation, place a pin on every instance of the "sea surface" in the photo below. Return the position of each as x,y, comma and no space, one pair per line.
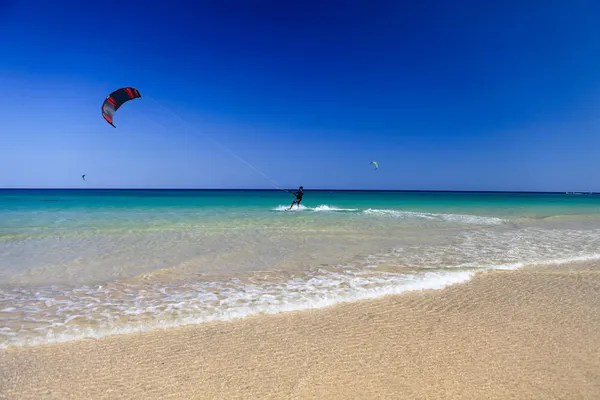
88,263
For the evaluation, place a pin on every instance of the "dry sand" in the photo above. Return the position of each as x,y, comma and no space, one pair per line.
528,334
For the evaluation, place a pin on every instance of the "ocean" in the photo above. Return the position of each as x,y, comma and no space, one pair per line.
80,264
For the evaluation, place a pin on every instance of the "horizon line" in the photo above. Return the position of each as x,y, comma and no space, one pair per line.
311,190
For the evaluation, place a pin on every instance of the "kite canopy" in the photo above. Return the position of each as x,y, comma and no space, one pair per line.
115,100
375,164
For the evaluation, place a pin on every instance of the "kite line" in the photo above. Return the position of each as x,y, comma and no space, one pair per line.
274,183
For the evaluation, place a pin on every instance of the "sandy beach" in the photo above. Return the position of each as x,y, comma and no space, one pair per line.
527,334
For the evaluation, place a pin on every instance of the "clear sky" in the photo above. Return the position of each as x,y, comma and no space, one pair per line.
451,95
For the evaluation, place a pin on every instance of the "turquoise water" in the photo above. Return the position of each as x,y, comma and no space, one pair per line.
64,199
87,263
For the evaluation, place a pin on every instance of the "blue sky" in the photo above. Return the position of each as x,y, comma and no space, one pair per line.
454,95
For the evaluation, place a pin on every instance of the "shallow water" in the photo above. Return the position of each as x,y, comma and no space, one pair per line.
77,264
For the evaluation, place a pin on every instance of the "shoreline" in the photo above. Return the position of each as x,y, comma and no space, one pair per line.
528,333
442,281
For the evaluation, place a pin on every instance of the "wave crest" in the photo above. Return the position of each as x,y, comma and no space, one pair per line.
456,218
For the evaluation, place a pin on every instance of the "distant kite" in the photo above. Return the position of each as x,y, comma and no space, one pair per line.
83,177
115,100
375,164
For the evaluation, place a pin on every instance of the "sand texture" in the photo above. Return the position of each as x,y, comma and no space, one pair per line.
527,334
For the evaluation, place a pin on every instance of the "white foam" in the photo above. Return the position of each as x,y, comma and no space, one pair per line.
204,302
295,208
316,209
492,249
459,218
96,312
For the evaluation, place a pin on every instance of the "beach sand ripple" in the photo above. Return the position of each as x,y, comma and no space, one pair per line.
527,334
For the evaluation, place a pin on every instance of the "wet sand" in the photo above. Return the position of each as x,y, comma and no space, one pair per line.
527,334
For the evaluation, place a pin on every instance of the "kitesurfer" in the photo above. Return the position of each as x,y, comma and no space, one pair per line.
298,198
